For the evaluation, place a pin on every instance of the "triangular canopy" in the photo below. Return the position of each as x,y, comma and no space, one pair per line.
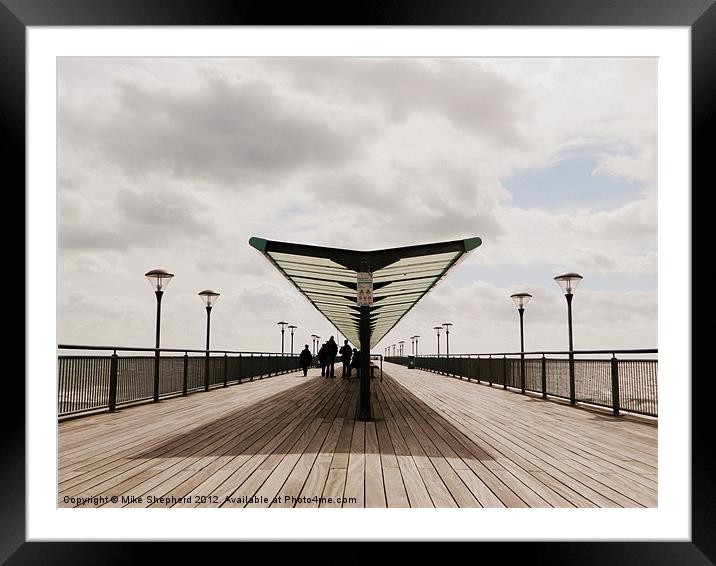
327,277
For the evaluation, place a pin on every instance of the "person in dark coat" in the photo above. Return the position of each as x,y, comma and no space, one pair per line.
305,359
331,352
355,361
322,358
345,353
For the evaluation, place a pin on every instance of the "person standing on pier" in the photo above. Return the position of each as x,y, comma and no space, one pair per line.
355,362
331,352
322,358
305,360
346,352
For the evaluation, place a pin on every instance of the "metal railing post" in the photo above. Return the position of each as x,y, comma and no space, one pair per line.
544,377
489,370
157,357
504,372
239,368
113,383
206,372
185,377
226,368
615,386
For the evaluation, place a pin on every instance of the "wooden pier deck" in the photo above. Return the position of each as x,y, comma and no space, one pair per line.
293,441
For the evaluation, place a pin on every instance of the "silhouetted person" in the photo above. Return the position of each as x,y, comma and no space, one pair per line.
355,362
345,353
305,359
322,358
331,351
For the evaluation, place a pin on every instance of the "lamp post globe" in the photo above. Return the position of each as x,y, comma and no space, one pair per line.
521,300
159,279
568,282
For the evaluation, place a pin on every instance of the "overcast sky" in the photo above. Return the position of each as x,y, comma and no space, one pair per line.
176,163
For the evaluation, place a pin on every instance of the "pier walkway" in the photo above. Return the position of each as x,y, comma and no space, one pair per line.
295,441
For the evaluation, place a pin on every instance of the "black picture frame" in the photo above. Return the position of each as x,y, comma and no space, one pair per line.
699,15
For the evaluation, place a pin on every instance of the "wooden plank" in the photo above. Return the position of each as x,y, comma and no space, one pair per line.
355,478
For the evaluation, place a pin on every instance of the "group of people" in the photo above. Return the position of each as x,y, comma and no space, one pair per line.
327,359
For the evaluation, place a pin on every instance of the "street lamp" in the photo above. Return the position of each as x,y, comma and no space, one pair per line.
159,280
568,282
292,327
283,330
447,326
209,297
437,329
521,300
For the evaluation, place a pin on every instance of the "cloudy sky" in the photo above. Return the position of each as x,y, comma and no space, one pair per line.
176,163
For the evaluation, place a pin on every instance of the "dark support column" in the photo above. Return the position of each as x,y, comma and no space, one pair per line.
226,369
206,361
156,345
522,350
185,377
615,385
572,395
544,377
364,412
113,383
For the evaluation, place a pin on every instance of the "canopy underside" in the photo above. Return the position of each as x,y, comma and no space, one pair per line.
327,278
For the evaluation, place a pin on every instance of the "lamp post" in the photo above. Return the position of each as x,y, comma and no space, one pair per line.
521,300
209,297
158,279
283,330
313,343
447,326
292,327
412,345
437,329
568,282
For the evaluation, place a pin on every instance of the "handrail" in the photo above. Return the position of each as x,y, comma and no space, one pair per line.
183,350
547,352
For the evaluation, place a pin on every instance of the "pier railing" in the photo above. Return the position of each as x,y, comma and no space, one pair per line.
623,380
95,378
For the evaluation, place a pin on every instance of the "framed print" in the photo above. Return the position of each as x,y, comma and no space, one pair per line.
177,131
